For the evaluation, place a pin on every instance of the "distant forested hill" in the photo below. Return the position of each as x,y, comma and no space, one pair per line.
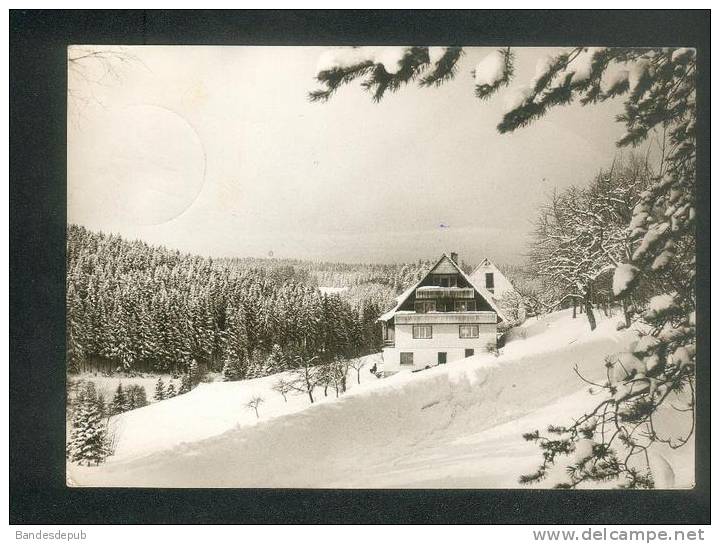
134,306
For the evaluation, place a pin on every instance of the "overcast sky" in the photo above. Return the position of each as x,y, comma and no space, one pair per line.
217,151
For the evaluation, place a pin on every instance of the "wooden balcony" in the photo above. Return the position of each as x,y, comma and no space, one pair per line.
433,292
412,318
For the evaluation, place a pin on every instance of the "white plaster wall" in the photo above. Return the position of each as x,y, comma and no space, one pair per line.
502,285
446,338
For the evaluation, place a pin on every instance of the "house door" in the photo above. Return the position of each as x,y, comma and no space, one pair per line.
442,357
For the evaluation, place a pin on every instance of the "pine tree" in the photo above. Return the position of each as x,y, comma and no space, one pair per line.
186,384
230,370
160,393
194,373
276,360
119,402
136,396
170,391
88,439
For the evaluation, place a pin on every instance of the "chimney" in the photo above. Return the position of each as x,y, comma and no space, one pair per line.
454,257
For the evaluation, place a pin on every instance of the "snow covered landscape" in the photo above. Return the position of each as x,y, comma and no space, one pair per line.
454,426
381,267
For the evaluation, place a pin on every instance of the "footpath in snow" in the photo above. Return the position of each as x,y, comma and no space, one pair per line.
456,425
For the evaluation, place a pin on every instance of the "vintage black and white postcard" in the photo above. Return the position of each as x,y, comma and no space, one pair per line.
370,266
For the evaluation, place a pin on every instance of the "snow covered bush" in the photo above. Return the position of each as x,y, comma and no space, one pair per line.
513,305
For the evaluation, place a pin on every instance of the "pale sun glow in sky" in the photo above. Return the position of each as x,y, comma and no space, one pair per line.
217,151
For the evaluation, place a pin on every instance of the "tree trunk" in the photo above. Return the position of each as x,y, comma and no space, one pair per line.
626,313
358,376
589,312
574,308
310,395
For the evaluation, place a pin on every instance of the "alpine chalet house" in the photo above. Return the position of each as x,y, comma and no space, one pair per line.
487,275
442,318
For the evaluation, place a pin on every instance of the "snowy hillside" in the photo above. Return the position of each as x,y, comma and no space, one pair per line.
211,409
458,425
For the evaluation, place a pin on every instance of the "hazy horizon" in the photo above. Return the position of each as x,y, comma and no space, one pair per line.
216,151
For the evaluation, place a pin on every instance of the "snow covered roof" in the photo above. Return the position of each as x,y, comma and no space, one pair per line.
483,264
481,291
399,300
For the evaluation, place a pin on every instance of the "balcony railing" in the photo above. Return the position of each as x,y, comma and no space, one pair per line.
444,317
432,291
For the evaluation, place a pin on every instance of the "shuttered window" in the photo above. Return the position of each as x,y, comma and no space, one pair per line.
489,281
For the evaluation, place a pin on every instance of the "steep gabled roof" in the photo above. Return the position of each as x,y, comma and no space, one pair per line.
484,293
483,263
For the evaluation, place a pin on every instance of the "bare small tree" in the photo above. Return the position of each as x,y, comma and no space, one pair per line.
283,387
337,372
306,376
357,365
254,403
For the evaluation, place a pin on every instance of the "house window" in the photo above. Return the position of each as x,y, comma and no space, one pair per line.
490,281
424,306
469,331
422,331
406,358
464,305
469,353
446,281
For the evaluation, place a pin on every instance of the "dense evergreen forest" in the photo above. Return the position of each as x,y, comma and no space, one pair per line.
135,307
